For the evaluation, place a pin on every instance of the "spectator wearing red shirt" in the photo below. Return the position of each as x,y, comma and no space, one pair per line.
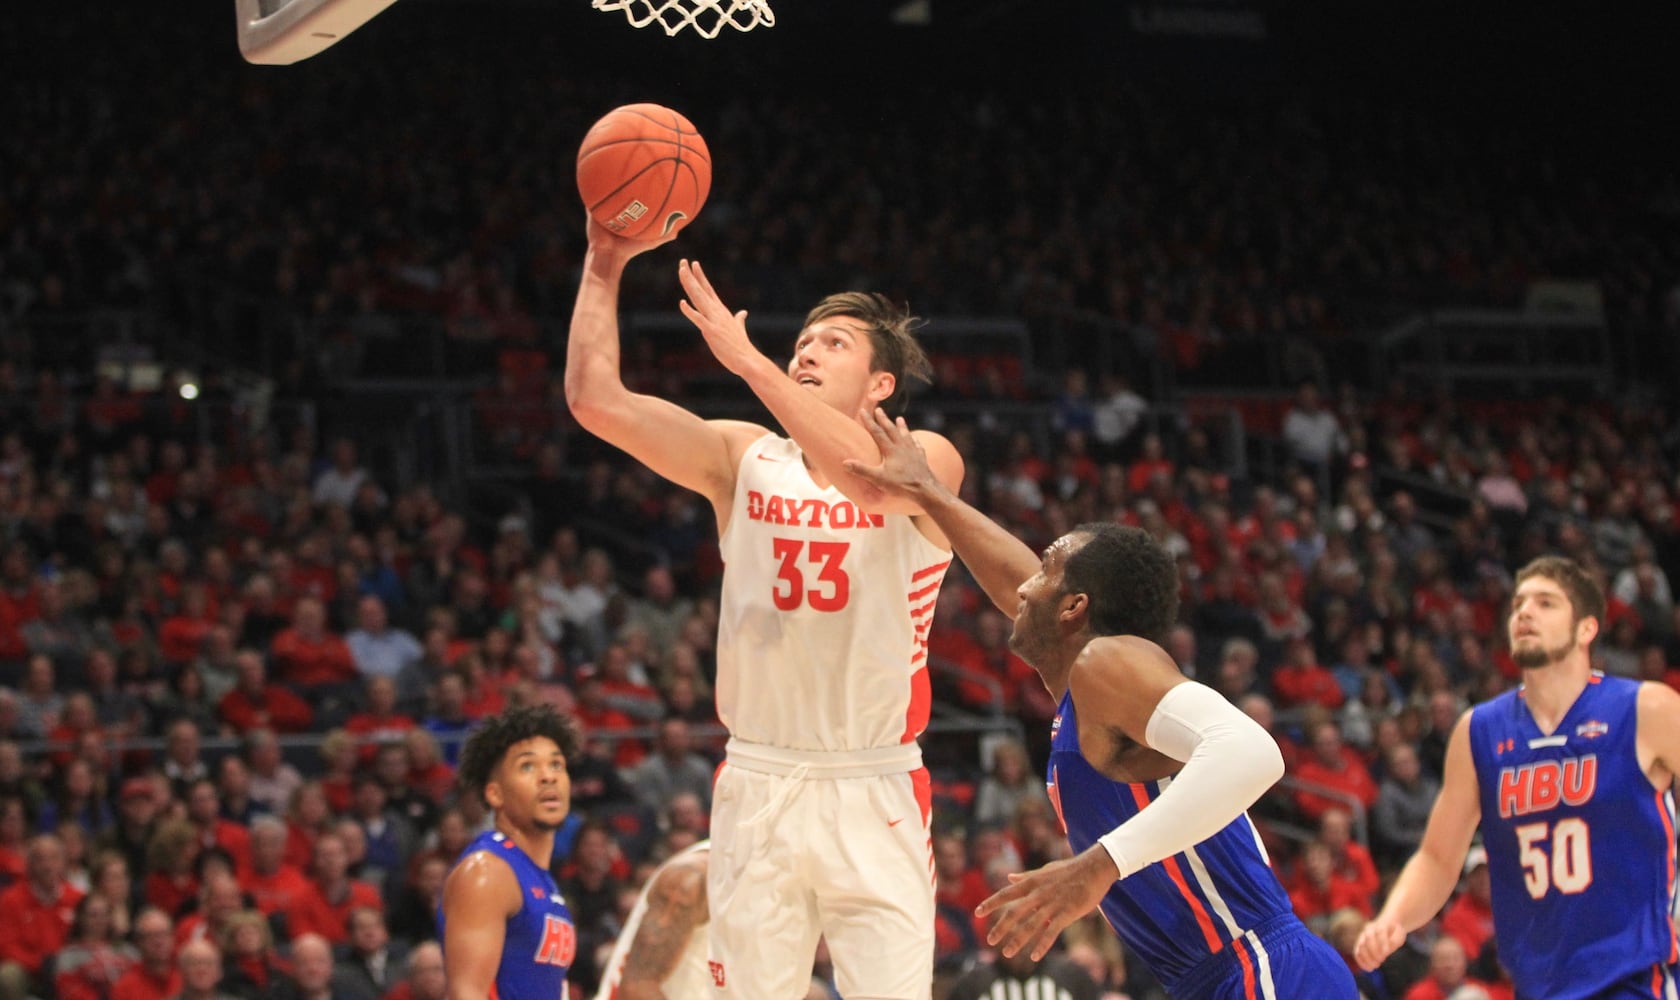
78,719
254,703
19,602
1331,763
181,635
1264,520
1448,973
307,817
1300,680
324,907
1469,917
1352,859
312,574
1151,463
598,716
14,833
204,811
219,898
625,691
380,722
154,977
339,762
482,696
35,917
171,856
428,774
958,889
1317,891
273,884
1022,689
308,656
1436,597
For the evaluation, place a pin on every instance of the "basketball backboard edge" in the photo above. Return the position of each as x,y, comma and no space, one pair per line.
293,30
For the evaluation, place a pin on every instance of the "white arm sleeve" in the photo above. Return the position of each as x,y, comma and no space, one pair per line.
1230,761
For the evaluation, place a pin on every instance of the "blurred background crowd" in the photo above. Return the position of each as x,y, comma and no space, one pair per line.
289,499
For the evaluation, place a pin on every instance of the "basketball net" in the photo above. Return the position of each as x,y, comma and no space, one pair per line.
706,17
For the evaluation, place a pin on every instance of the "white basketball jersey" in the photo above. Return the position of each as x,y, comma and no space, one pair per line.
689,978
822,638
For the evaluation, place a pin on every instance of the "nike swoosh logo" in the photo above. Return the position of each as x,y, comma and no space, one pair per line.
765,458
896,821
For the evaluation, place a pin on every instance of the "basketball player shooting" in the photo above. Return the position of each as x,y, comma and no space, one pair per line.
1185,882
1569,779
820,814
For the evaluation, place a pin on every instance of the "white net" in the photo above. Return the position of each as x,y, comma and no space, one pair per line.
707,17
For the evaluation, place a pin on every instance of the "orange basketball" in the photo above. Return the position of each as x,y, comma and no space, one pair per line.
643,171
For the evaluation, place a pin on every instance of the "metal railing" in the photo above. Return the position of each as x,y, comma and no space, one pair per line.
1301,834
1518,351
302,750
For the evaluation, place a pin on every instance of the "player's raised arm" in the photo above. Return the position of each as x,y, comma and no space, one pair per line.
998,560
477,900
673,442
676,908
1429,877
825,429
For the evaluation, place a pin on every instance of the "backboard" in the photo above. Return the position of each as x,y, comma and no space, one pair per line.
280,32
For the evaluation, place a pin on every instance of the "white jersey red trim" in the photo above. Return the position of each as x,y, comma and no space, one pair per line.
822,639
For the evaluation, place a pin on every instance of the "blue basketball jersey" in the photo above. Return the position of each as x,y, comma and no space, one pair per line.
541,940
1580,846
1212,921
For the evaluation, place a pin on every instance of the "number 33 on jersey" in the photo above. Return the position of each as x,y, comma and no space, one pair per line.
816,580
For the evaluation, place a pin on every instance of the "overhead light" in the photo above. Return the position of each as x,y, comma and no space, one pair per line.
917,12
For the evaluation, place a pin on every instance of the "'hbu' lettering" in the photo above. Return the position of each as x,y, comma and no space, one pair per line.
559,942
1545,784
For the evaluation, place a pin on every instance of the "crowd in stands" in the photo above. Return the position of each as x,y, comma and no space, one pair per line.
1198,228
156,593
236,666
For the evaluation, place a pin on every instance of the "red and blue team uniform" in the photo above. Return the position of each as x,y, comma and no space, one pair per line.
1211,922
1580,848
541,939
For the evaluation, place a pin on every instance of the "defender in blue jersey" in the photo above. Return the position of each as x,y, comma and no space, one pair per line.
1568,777
1150,773
505,927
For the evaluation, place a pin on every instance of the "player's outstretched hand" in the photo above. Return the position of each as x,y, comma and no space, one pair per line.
1377,941
604,240
725,332
1039,905
904,469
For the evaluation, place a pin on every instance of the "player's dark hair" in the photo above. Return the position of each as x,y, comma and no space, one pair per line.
892,340
1586,598
1130,580
490,742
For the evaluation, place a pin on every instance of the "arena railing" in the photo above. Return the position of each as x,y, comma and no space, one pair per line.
1516,351
1302,834
302,750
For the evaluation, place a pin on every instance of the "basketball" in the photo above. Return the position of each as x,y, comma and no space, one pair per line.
644,171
